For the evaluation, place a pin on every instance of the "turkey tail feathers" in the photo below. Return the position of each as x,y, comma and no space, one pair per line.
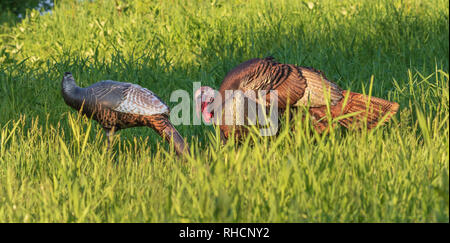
171,134
371,109
356,109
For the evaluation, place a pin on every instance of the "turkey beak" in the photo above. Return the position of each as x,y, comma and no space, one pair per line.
206,115
198,105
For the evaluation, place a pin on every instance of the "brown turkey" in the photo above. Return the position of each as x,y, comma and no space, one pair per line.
117,105
297,87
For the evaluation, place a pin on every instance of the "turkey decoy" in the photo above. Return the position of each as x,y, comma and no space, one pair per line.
298,87
117,105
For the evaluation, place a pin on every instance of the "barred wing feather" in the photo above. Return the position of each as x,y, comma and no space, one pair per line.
141,101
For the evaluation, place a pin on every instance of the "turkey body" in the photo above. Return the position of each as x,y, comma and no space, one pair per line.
303,87
117,105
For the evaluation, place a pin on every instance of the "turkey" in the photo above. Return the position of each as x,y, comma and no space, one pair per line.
297,87
117,105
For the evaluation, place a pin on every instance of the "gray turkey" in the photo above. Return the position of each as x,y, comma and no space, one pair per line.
297,87
117,105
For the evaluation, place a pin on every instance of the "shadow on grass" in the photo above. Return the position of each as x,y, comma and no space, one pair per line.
347,54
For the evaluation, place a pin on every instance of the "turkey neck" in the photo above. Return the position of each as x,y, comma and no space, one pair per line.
72,94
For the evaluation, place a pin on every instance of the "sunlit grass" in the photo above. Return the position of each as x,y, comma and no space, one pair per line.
54,166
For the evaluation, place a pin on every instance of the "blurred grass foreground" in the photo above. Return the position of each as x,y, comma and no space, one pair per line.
54,166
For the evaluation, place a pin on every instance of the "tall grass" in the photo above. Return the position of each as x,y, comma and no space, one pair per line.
54,166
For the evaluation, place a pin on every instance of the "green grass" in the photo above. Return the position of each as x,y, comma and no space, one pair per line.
54,166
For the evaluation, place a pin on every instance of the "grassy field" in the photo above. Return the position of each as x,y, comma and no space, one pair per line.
54,166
